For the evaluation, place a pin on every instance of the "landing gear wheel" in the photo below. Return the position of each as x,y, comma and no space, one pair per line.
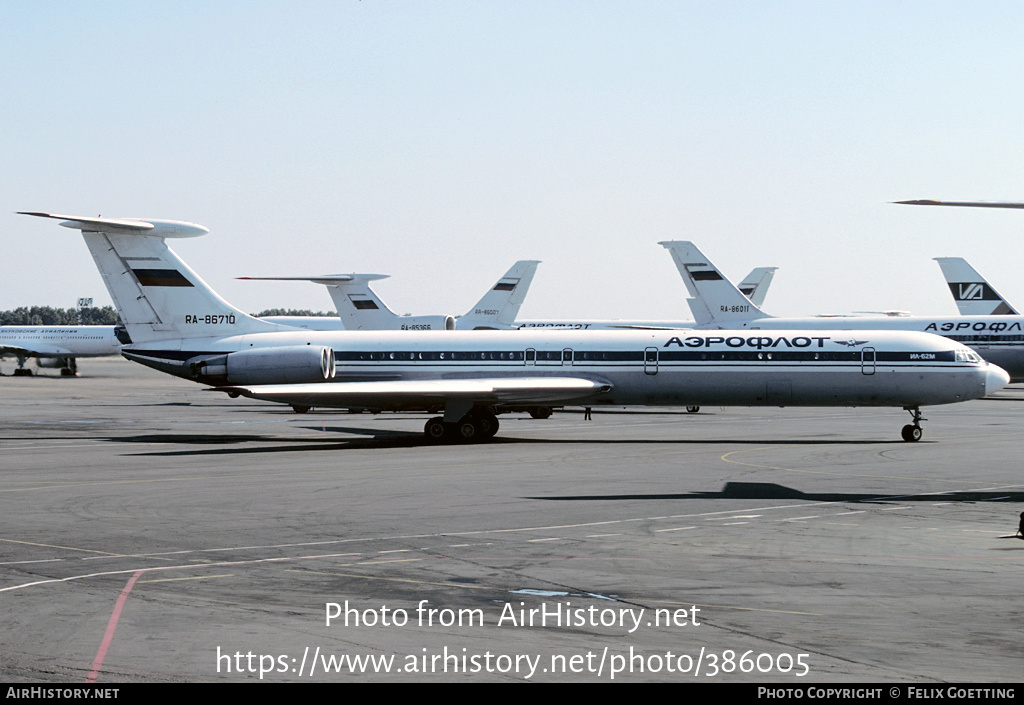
67,372
435,430
22,372
469,430
540,412
911,433
300,409
488,425
692,409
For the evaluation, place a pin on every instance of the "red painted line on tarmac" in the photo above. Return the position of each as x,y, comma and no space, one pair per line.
108,636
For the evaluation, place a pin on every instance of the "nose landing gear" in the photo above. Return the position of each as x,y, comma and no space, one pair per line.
912,431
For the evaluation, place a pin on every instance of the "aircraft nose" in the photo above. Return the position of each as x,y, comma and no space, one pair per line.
995,379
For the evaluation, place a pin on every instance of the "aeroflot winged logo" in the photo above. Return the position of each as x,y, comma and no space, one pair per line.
851,343
758,342
975,291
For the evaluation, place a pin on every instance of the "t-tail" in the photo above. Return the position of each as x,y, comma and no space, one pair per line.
714,300
499,307
973,295
157,295
359,307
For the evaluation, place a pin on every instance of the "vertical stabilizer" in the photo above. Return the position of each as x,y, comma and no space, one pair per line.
973,295
358,306
756,284
499,307
714,300
157,295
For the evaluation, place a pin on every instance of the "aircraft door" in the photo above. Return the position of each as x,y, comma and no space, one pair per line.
867,361
651,361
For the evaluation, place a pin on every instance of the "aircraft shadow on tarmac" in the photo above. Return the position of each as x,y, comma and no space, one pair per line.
229,443
770,490
381,438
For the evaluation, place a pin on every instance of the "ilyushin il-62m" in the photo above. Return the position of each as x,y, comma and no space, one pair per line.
180,326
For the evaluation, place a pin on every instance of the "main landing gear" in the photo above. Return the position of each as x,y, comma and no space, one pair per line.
912,431
474,426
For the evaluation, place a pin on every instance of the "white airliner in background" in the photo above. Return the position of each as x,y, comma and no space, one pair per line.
754,286
57,347
359,307
180,326
973,295
717,303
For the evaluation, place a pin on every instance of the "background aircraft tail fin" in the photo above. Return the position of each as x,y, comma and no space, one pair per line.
714,300
359,307
973,295
499,307
755,285
157,295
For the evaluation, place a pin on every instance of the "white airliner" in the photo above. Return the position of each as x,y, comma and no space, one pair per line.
716,303
359,307
180,326
754,286
57,347
973,295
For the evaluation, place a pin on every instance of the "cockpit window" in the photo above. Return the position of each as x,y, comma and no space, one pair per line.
967,356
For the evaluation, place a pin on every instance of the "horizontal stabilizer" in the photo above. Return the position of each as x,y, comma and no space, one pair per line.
126,226
326,279
968,204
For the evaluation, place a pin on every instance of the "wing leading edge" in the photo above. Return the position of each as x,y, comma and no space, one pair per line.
426,394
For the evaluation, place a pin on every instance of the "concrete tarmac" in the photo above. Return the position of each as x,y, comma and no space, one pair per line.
153,531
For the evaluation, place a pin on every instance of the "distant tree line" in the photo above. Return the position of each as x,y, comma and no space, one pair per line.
293,312
105,316
49,316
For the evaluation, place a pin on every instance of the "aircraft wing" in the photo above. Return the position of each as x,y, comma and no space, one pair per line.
420,394
35,351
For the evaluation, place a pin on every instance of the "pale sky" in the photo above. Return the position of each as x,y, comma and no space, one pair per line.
440,141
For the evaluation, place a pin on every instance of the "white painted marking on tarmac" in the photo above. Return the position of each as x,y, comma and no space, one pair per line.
41,560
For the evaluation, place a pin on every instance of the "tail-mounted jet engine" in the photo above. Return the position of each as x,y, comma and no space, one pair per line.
294,364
